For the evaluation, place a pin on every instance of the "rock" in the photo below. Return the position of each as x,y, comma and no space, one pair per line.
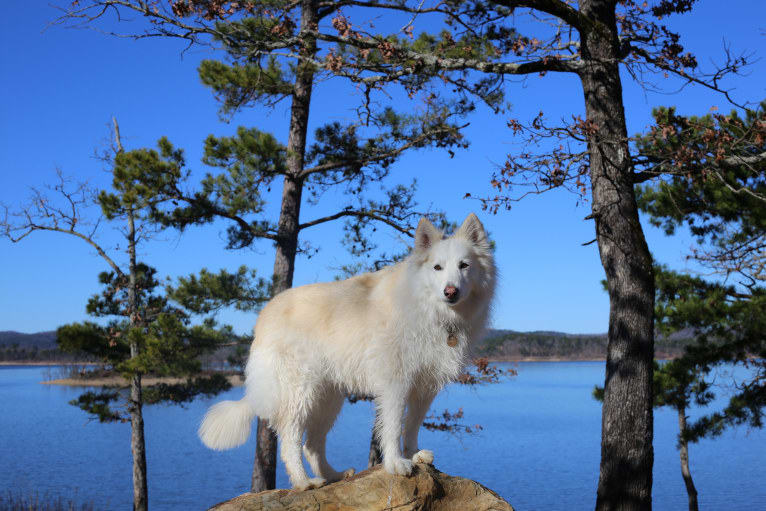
375,489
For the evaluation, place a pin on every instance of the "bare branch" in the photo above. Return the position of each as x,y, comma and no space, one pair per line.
117,140
43,215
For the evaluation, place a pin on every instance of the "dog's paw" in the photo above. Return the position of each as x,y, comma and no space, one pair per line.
340,476
310,484
423,456
398,466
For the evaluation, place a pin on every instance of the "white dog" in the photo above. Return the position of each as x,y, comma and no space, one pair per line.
399,334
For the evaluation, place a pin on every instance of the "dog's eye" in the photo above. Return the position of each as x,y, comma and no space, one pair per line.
463,265
437,267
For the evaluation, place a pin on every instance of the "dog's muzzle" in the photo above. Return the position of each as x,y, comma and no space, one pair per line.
451,293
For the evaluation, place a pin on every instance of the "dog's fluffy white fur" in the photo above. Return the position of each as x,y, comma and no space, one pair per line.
382,334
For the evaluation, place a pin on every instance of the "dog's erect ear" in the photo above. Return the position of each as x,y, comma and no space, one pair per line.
473,231
426,235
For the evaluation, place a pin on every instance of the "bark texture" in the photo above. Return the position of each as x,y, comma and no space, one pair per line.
138,446
625,479
135,407
265,464
684,453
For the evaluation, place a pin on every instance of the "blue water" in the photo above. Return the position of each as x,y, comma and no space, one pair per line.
539,447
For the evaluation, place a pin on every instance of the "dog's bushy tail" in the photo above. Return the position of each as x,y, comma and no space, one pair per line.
227,424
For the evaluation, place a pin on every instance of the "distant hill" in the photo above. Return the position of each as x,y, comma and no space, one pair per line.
37,347
547,345
39,339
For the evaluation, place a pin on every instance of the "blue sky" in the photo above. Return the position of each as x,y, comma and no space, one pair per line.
61,87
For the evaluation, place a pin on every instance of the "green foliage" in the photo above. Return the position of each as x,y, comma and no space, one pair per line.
145,333
93,339
244,38
259,42
141,179
678,384
746,407
714,183
241,85
251,158
114,299
98,405
210,292
690,149
713,170
727,330
356,156
598,393
164,343
238,357
179,393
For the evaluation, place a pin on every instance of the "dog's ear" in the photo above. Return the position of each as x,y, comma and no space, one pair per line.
473,231
426,235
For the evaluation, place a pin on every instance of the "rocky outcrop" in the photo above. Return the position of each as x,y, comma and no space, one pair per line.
426,490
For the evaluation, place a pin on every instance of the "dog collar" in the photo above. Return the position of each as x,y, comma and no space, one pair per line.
452,339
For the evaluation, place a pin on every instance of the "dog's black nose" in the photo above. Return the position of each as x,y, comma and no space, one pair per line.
451,292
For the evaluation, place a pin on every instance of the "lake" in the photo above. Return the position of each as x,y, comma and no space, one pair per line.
539,447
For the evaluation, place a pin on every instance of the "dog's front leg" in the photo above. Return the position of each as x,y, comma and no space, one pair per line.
418,402
391,404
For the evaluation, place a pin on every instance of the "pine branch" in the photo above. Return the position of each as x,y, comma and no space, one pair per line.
422,62
360,214
333,165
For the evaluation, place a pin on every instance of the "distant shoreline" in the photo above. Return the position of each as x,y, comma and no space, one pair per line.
491,359
44,363
119,381
660,356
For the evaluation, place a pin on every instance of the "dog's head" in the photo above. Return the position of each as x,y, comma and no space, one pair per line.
455,267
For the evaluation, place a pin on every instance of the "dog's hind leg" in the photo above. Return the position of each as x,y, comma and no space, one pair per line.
320,422
418,402
293,418
290,436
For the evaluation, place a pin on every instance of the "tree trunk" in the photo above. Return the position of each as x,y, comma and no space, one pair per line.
690,489
625,479
137,442
265,464
138,445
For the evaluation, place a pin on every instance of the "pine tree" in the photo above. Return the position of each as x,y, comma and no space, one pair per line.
713,181
145,333
713,171
709,175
